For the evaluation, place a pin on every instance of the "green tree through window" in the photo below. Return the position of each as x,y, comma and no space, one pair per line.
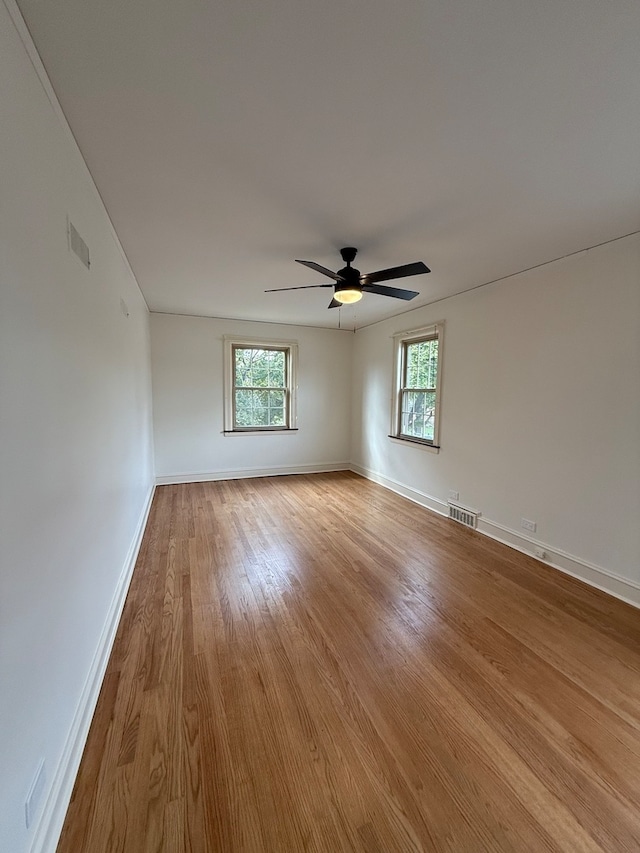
417,385
260,387
419,389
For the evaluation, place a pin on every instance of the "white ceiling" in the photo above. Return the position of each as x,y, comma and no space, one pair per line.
228,138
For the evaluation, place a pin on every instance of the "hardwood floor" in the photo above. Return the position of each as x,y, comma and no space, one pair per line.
314,663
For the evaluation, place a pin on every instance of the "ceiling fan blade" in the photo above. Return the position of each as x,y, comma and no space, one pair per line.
302,287
395,272
334,304
384,290
323,270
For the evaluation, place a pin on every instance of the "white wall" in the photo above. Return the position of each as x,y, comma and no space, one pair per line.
187,368
540,411
76,466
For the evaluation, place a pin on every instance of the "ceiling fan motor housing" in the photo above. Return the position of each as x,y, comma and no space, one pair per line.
350,274
348,254
351,278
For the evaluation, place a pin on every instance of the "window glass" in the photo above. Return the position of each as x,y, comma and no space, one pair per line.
417,386
260,387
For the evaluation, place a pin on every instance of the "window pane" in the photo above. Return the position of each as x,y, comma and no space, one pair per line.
244,408
276,417
260,385
421,364
242,367
276,399
259,368
418,414
276,408
276,362
258,408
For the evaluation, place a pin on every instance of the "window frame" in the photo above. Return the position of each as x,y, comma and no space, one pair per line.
401,341
290,348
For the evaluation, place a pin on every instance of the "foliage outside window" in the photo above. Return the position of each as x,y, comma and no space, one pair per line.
260,386
417,394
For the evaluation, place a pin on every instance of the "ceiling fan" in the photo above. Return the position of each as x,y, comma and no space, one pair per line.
350,283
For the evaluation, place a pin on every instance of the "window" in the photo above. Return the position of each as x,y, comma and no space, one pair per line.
259,385
417,390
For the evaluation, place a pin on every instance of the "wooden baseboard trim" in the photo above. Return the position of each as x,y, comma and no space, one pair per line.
49,827
596,576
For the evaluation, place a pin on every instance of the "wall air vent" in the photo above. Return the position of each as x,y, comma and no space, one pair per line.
463,516
78,246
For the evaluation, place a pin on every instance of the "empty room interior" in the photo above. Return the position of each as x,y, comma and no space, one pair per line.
320,418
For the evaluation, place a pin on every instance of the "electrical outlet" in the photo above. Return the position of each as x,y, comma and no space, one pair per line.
453,495
35,793
540,553
527,524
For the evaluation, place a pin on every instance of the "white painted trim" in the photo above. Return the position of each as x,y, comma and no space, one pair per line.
613,584
417,443
418,497
234,433
422,332
49,827
436,330
231,341
245,473
38,66
603,579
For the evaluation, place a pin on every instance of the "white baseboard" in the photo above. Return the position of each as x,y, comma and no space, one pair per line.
596,576
414,495
49,827
245,473
603,579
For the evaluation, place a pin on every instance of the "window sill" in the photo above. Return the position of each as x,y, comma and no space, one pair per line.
432,448
277,431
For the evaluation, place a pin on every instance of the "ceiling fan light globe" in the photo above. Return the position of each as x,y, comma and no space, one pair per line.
348,295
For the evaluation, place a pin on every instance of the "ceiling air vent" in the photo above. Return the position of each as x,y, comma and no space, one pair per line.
463,516
78,246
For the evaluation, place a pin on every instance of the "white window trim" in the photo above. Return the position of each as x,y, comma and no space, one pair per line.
399,339
229,342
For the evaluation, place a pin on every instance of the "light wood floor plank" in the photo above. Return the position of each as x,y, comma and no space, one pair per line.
313,663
